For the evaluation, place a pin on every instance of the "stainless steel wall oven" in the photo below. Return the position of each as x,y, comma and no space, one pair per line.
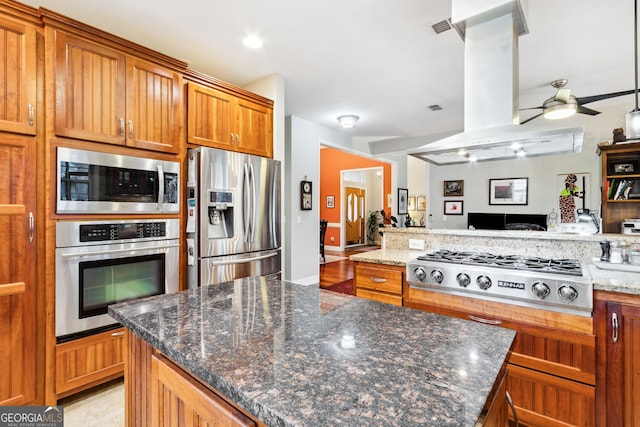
95,182
99,263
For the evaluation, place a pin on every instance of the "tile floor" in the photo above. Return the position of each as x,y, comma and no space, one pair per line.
102,406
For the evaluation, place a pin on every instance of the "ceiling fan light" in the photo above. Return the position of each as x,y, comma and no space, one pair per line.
560,111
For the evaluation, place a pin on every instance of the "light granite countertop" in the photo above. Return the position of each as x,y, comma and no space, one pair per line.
604,278
281,351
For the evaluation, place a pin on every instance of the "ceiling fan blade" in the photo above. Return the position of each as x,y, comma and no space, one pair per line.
585,110
531,108
530,118
587,99
563,95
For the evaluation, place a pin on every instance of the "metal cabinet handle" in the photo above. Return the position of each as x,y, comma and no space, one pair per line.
615,327
233,139
121,121
32,226
31,114
237,139
117,334
485,321
131,129
513,408
377,279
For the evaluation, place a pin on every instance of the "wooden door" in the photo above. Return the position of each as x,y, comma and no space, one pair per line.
354,220
18,77
623,364
89,90
17,270
209,117
154,107
254,128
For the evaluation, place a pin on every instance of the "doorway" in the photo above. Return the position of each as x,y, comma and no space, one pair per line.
354,220
363,192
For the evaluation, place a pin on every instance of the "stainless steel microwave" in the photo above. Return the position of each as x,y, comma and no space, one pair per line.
100,183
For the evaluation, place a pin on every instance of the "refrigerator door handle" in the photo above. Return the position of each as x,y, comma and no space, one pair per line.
243,260
253,203
245,208
274,207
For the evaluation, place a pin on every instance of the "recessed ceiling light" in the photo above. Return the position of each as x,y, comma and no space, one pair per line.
252,42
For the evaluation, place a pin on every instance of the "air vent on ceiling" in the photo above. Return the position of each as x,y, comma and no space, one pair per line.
434,107
442,26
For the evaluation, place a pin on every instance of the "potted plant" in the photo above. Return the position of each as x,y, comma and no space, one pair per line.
373,223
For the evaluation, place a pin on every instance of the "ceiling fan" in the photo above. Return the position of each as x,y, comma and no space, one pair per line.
563,104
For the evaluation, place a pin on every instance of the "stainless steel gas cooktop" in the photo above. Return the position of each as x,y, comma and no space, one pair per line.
551,284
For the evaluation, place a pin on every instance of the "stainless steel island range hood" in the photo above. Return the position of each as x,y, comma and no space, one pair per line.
490,29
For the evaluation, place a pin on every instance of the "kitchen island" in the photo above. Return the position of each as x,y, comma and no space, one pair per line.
291,355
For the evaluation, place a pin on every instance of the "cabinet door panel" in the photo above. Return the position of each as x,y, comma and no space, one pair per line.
255,129
154,107
209,117
17,271
17,77
90,90
179,400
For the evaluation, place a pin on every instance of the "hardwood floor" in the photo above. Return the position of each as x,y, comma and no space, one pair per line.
341,270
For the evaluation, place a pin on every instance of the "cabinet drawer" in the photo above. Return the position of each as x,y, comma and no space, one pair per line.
379,296
89,361
379,279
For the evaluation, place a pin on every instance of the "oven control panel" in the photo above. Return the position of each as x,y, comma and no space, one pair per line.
121,231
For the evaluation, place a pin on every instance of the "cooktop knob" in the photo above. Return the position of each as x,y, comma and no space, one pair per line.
437,276
540,289
567,293
420,273
463,279
483,282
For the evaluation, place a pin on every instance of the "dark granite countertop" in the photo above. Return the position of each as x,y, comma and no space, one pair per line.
280,350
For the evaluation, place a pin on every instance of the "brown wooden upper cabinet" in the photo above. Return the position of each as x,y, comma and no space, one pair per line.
18,65
104,95
219,119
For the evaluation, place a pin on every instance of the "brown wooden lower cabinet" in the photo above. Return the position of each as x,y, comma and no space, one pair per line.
552,367
89,361
160,393
377,282
618,323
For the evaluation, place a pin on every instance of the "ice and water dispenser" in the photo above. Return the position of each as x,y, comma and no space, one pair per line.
220,212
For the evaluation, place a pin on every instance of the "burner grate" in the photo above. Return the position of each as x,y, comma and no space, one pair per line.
514,262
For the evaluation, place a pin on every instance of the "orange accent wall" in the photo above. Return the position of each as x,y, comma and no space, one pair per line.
333,161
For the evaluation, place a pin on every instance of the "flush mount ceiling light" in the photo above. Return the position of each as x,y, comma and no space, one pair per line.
348,121
252,42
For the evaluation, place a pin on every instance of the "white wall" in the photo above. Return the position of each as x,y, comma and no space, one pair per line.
301,229
418,184
541,171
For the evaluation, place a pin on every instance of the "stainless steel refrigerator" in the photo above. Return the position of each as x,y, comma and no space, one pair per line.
233,211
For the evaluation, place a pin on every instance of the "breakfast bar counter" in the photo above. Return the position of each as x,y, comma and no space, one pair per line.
291,355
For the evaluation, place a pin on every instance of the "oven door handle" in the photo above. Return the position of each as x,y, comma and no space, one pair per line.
161,184
115,251
243,260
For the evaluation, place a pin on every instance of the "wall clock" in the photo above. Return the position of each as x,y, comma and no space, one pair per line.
305,195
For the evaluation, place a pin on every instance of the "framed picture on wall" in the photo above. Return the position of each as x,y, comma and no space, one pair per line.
412,203
453,207
422,203
508,191
453,188
305,195
403,201
330,201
